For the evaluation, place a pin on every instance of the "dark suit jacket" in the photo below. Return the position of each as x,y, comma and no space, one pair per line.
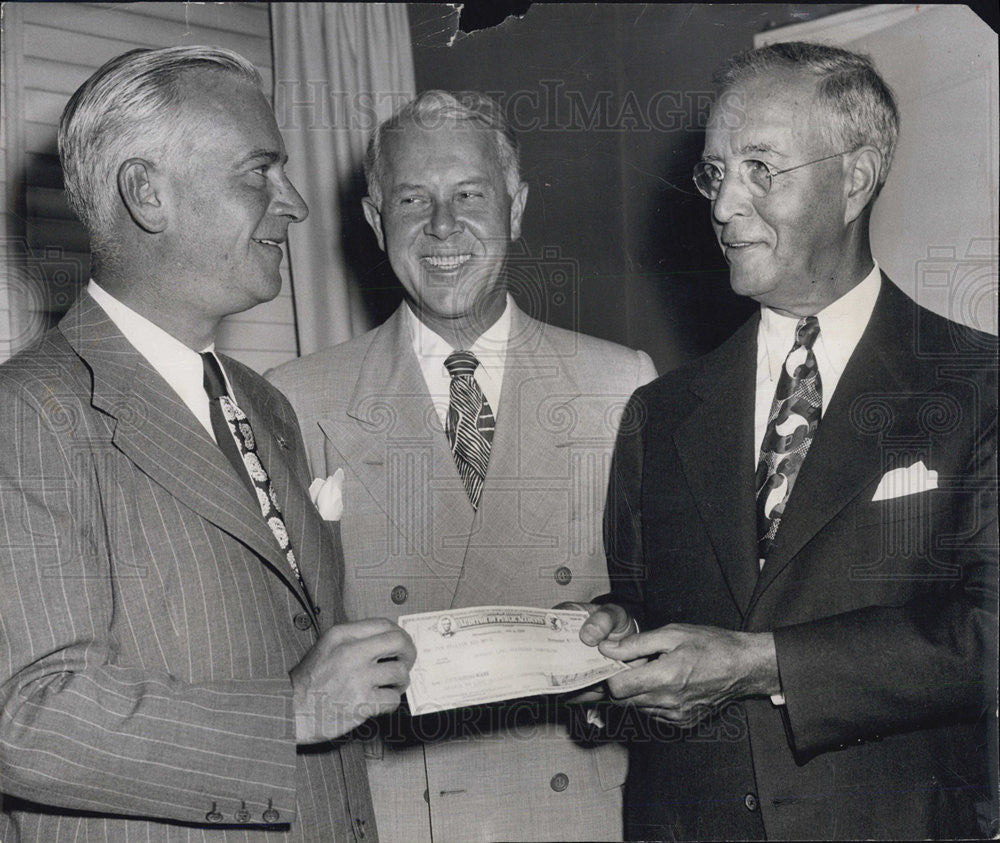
148,620
884,612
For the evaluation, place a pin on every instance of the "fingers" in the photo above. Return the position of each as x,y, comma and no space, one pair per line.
595,693
568,605
643,679
357,630
682,716
374,639
393,674
609,622
641,645
392,645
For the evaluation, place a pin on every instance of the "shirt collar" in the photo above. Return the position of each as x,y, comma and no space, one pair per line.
490,349
841,324
178,365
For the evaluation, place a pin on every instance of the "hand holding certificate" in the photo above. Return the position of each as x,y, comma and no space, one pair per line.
486,654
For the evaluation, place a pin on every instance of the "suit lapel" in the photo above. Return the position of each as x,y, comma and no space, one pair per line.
843,458
159,434
533,423
402,457
716,448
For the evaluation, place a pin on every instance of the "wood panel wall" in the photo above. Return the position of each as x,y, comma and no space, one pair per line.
50,49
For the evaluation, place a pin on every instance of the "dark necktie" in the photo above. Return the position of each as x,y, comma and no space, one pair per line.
235,437
791,426
470,423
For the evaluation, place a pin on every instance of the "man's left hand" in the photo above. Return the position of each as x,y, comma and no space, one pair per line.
692,670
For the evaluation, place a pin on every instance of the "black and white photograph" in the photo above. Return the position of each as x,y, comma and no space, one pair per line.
667,329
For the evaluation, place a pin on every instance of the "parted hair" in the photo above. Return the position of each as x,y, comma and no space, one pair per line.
861,105
433,108
126,109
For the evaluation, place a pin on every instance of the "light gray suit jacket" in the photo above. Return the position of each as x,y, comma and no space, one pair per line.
148,620
413,543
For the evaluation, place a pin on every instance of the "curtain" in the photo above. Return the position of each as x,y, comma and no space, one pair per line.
339,69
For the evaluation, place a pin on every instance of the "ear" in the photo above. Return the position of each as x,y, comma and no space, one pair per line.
374,217
517,204
137,185
862,181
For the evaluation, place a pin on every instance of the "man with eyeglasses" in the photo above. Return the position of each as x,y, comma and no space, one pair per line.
803,522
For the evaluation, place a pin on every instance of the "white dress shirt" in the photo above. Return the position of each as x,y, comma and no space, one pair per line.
841,324
490,349
178,365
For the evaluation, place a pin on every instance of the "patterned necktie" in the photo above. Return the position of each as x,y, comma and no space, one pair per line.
470,423
791,427
235,437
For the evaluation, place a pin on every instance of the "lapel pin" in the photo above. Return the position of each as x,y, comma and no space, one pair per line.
282,442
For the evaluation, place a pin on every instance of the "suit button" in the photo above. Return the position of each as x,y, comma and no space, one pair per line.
399,594
560,781
302,621
750,800
270,816
213,816
563,575
242,815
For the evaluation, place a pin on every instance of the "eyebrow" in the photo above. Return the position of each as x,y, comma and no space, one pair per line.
759,147
269,155
747,149
404,187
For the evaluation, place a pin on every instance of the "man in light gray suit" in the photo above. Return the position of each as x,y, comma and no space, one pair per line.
174,657
475,443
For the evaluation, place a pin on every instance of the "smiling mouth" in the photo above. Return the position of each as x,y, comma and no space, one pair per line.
447,261
265,242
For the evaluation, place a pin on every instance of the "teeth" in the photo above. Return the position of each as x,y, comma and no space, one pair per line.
267,242
447,261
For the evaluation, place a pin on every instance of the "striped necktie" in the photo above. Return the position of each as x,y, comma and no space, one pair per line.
791,426
470,423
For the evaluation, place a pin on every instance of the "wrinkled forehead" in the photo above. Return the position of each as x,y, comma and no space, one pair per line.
777,111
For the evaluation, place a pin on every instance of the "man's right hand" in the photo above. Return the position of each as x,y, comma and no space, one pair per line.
355,671
608,622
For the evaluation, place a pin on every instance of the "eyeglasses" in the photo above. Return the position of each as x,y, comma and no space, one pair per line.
756,175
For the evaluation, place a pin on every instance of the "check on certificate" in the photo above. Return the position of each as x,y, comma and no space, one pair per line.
485,654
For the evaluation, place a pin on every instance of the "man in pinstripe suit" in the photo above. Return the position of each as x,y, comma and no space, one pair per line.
173,665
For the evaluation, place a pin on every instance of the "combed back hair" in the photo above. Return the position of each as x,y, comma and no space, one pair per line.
434,108
861,105
127,109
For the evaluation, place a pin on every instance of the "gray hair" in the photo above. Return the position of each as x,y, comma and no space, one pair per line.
127,108
432,108
861,104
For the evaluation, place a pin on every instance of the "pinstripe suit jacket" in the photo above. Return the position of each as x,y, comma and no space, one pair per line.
413,543
147,618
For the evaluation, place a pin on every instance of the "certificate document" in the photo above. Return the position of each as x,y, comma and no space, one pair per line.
485,654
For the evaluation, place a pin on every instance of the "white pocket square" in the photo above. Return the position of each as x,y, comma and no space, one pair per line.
906,481
328,495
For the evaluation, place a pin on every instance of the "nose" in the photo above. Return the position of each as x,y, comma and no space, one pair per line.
733,199
442,222
288,202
